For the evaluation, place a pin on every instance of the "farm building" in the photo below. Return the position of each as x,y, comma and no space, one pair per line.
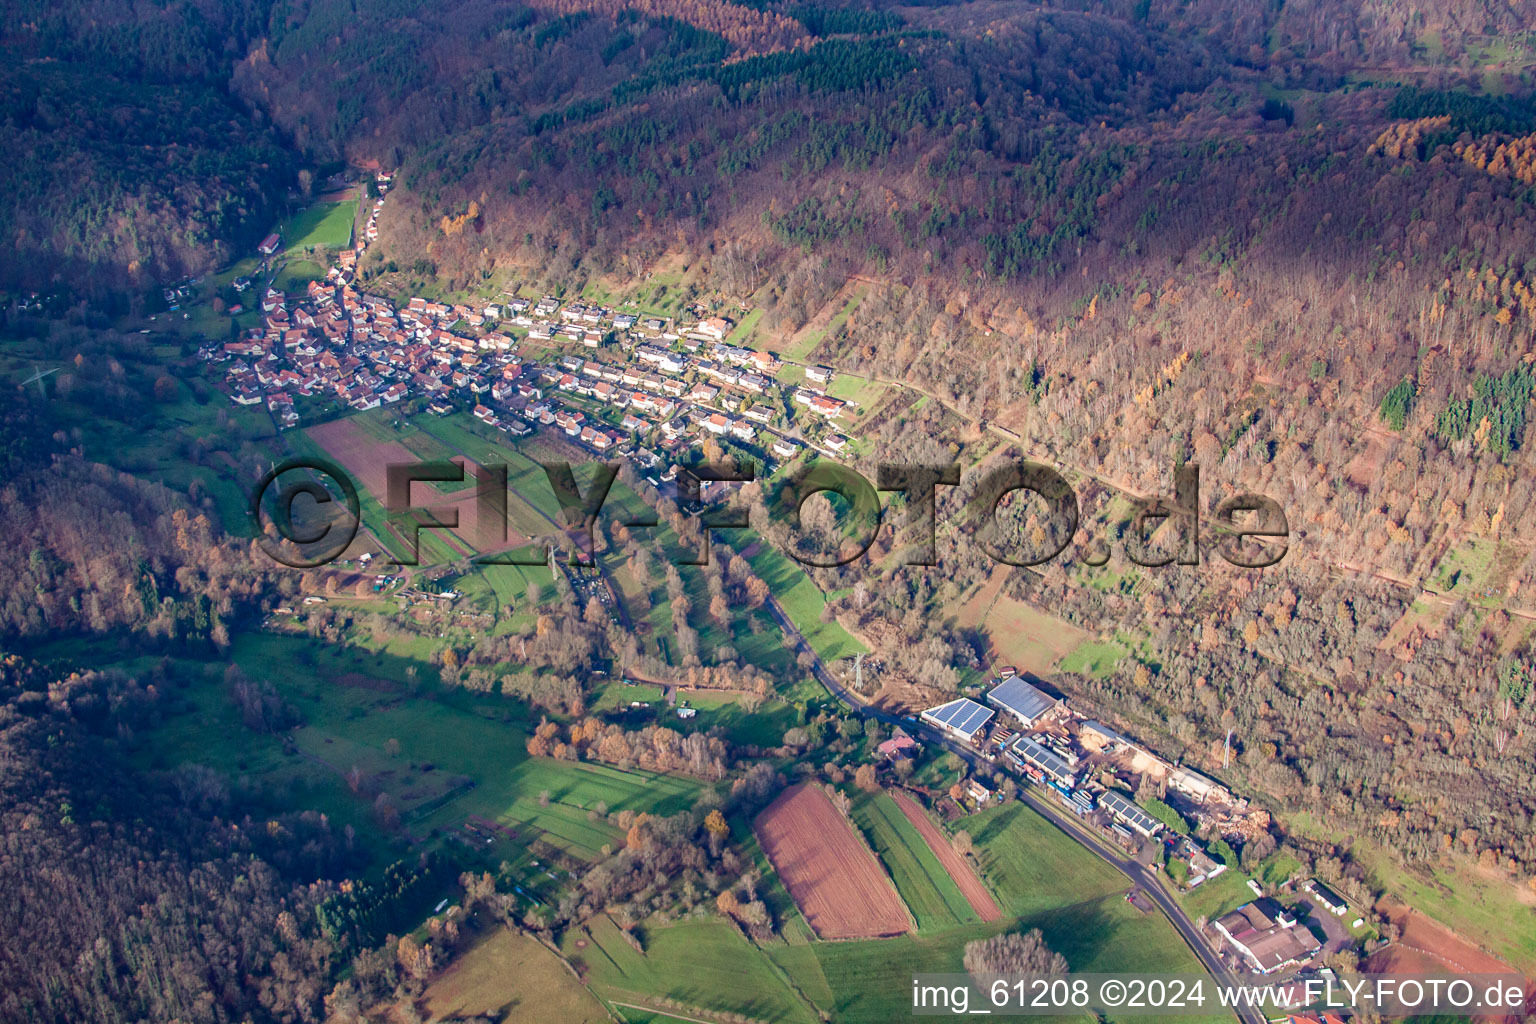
1125,811
962,718
270,244
1021,699
1030,752
1266,937
1335,903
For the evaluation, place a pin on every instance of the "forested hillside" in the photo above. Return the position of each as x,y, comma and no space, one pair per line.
138,901
1292,248
159,139
127,161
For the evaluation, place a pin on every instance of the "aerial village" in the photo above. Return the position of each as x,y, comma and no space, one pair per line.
641,378
649,388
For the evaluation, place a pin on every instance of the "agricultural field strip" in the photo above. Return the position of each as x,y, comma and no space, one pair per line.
836,881
954,866
932,896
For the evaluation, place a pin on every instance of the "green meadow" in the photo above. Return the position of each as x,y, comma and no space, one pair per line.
931,895
321,226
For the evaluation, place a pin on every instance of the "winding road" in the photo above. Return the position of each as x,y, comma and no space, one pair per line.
1138,874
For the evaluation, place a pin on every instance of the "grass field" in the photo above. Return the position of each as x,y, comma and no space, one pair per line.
764,727
512,979
805,344
932,896
532,503
1227,891
295,274
1486,909
864,393
460,754
1022,635
871,981
1033,866
741,334
431,549
347,726
529,500
802,601
561,802
1096,658
793,928
616,696
703,964
1477,570
323,225
189,418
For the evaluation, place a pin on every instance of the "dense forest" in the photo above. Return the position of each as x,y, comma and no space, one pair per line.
143,902
154,140
129,162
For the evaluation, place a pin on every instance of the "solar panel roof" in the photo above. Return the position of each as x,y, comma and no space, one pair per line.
962,715
1126,808
1043,757
1022,698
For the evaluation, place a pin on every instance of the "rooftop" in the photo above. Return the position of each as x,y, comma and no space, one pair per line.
962,715
1125,808
1269,939
1022,698
1043,757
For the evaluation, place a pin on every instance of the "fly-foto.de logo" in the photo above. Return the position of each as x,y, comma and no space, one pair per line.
306,512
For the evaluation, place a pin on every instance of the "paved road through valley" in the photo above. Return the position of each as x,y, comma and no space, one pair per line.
1139,874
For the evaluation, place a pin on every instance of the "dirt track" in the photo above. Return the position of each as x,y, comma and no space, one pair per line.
834,878
959,869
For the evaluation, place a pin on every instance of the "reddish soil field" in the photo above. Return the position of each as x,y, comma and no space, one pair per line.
362,682
366,458
1428,947
834,878
957,866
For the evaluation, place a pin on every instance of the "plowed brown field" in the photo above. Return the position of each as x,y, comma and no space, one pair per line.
1427,947
366,458
836,881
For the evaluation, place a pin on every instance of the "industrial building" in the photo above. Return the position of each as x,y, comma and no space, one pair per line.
1125,811
1023,700
962,718
1028,752
1266,936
